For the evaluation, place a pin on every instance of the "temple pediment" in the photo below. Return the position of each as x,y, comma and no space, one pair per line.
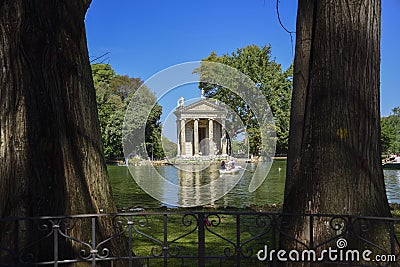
203,106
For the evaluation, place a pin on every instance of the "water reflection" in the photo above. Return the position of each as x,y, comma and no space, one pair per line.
195,187
128,194
392,180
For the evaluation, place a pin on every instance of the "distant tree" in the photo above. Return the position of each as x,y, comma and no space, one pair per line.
113,94
153,134
273,83
111,109
137,120
124,86
239,145
390,137
102,73
169,147
334,164
52,160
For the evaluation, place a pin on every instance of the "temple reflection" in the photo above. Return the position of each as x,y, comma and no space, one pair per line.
197,184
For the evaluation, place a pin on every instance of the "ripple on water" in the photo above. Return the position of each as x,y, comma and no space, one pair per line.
392,181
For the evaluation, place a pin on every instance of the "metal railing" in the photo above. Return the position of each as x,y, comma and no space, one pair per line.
225,238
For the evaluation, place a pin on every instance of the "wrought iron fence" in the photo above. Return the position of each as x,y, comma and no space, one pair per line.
224,238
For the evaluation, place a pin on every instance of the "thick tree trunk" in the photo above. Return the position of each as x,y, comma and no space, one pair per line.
51,155
334,164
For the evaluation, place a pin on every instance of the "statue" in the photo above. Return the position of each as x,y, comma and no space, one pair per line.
181,102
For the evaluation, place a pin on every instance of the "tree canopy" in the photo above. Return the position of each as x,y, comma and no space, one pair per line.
272,82
390,132
113,94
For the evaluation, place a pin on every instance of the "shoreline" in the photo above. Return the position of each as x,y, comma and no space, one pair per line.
196,161
394,208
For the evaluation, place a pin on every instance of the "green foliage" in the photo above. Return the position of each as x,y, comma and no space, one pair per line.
153,134
272,83
390,132
113,94
239,146
124,86
110,109
169,147
102,73
141,116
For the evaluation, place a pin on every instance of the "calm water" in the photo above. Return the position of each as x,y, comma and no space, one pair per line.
128,194
392,180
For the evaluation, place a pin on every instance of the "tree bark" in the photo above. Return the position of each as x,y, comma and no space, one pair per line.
51,155
334,164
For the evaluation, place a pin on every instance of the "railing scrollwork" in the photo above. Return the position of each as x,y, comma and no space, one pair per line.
192,237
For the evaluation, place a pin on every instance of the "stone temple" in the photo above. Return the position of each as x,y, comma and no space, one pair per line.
201,129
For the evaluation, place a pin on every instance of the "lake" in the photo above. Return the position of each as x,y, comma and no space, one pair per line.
128,194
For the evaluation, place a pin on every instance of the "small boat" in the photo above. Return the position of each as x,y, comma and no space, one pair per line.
231,171
391,165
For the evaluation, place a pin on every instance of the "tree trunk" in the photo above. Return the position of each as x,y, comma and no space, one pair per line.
51,155
334,164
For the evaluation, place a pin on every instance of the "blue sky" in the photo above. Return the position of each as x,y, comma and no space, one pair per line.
144,37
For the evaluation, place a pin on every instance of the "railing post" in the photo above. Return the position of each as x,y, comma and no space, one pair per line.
56,226
311,232
311,236
165,243
201,240
130,225
93,252
238,248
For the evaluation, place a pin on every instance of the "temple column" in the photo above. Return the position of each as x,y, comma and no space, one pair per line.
224,146
178,140
196,137
210,137
183,137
